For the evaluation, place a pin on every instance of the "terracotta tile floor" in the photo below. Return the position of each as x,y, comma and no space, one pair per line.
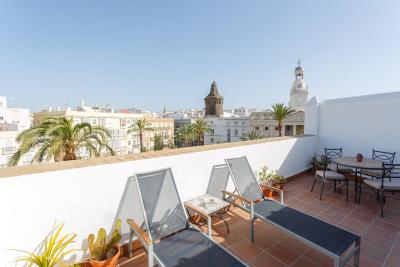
380,242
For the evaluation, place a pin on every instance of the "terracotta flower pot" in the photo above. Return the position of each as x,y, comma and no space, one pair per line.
266,191
278,186
359,157
112,262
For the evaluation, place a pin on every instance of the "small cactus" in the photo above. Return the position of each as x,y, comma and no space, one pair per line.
101,249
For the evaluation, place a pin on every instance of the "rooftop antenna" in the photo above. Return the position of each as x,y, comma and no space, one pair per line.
299,62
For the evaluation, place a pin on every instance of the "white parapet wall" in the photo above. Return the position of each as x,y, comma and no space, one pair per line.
88,198
357,124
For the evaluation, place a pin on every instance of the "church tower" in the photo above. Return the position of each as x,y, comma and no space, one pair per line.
214,102
299,91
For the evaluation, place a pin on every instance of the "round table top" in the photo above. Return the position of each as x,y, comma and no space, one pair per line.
352,162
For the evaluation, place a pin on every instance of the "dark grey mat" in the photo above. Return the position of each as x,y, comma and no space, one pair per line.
191,248
325,235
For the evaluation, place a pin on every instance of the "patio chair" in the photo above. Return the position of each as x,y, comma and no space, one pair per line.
218,181
389,182
328,176
335,153
165,233
385,157
325,237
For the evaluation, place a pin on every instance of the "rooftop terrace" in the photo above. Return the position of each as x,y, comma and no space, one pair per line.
380,235
89,194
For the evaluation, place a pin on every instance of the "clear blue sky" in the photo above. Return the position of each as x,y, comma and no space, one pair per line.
148,54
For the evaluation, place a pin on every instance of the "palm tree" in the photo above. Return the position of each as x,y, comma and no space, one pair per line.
57,138
252,135
280,112
140,126
185,134
200,127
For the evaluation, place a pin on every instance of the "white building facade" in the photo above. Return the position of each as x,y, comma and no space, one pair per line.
266,126
12,122
226,129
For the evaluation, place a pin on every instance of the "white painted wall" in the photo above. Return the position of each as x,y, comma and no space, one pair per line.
358,124
88,198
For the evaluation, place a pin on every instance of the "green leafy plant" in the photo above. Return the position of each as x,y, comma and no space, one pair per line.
171,143
158,142
268,177
52,251
277,178
263,176
103,249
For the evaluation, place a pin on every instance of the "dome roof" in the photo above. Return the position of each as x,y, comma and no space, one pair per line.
299,70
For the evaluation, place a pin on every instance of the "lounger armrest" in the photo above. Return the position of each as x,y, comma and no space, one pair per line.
198,211
276,190
237,196
143,237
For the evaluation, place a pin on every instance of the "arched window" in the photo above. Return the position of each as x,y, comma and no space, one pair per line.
266,128
257,128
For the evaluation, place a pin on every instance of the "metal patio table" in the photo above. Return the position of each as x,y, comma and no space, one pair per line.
209,206
365,164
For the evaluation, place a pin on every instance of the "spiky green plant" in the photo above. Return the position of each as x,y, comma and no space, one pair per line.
252,135
52,251
100,249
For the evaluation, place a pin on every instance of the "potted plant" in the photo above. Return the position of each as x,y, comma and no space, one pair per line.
277,181
265,181
52,250
103,252
268,179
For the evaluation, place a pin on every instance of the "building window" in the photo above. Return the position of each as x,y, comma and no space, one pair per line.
257,128
211,131
266,128
236,132
236,123
212,140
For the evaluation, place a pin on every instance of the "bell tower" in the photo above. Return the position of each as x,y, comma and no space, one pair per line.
299,91
214,102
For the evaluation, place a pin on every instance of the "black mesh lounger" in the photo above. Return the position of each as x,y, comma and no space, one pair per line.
192,248
336,242
165,232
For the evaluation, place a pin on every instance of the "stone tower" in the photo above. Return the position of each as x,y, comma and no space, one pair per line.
299,91
214,102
